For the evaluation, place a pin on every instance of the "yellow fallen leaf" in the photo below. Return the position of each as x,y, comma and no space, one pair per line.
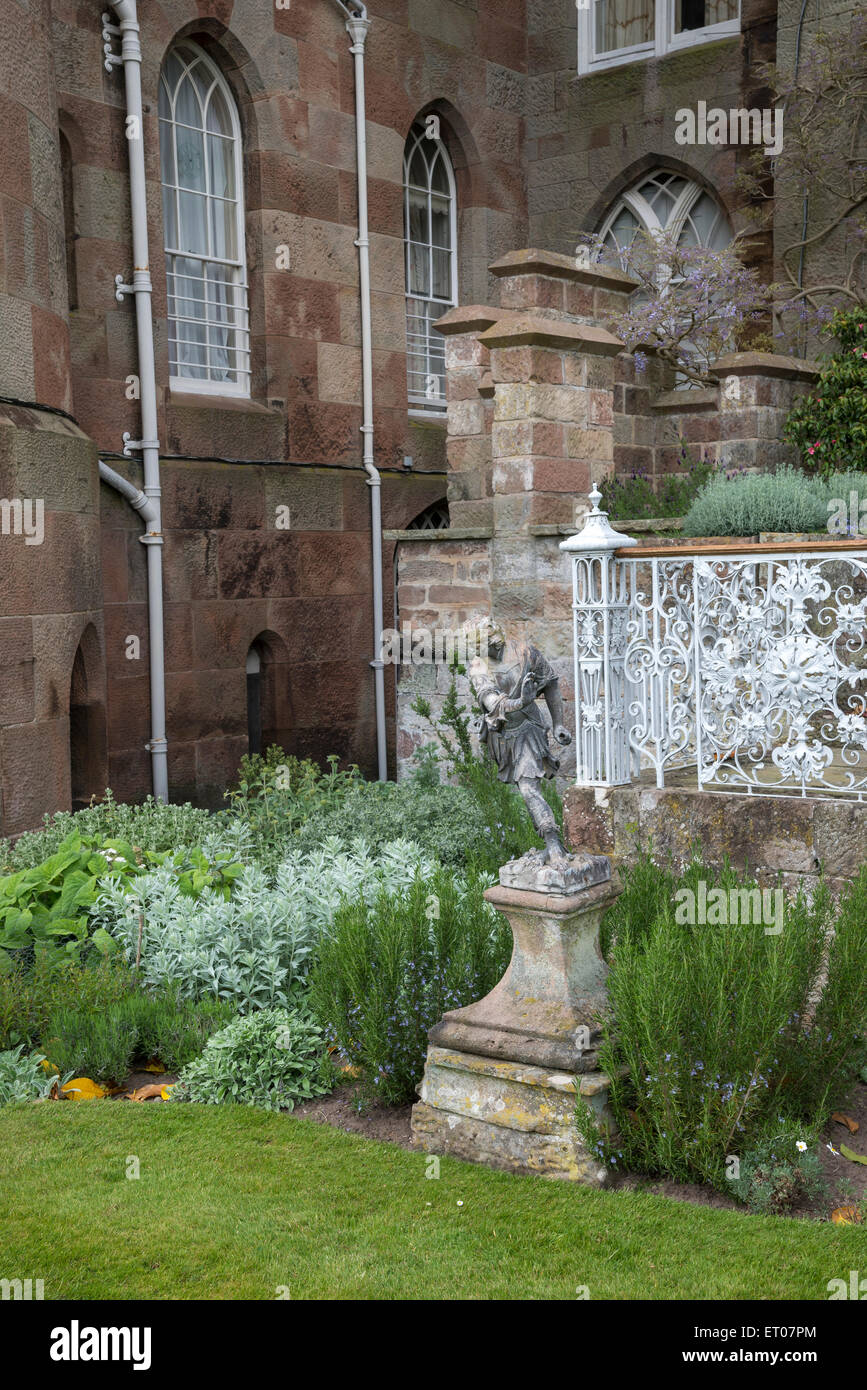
155,1066
82,1088
852,1125
151,1092
165,1093
846,1216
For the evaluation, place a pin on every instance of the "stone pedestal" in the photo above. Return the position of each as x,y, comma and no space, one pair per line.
503,1076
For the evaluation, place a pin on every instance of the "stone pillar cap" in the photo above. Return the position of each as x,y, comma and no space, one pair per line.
469,318
535,262
519,330
765,364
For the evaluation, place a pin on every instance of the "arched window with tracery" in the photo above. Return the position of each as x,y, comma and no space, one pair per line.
430,232
203,224
666,202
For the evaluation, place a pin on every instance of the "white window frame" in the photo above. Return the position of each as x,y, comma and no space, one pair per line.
665,39
241,348
421,407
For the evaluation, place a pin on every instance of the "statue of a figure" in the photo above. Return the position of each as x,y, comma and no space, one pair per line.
515,734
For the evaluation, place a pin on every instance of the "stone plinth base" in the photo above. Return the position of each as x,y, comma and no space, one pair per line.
503,1076
507,1115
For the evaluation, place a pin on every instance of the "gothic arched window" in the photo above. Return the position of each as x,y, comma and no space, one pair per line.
666,202
430,232
203,223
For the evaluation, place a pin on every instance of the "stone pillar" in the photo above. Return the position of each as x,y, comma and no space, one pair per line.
504,1076
470,414
758,389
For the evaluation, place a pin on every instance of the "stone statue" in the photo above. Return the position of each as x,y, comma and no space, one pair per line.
514,732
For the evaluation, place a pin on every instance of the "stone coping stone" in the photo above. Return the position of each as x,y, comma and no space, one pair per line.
530,330
470,318
532,261
765,364
448,533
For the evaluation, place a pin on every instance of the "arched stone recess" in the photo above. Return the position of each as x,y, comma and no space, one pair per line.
270,716
88,744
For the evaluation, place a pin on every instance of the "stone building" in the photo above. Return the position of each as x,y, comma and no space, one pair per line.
490,125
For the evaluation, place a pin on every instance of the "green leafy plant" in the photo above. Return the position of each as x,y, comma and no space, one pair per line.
445,821
277,793
388,972
47,906
28,998
23,1077
635,497
780,1172
137,1028
744,504
273,1059
829,426
151,825
715,1032
256,946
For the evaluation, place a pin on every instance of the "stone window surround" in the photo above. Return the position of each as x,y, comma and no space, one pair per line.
665,39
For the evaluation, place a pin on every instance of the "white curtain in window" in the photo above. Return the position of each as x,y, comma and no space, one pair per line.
623,24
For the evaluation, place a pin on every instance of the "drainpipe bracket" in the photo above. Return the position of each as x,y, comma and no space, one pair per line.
122,288
151,538
130,444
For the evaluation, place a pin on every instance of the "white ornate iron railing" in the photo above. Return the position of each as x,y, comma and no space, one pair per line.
747,663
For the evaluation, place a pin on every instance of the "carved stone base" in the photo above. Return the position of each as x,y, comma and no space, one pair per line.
545,1010
507,1115
503,1076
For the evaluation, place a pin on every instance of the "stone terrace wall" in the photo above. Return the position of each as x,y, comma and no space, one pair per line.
778,838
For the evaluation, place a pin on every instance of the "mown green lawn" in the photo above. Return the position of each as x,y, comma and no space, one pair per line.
233,1203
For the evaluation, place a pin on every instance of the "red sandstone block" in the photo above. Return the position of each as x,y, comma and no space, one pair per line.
114,565
322,432
527,364
206,704
16,670
258,564
329,564
211,495
34,773
224,632
190,564
453,593
302,186
125,660
301,309
600,409
531,292
561,475
318,74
